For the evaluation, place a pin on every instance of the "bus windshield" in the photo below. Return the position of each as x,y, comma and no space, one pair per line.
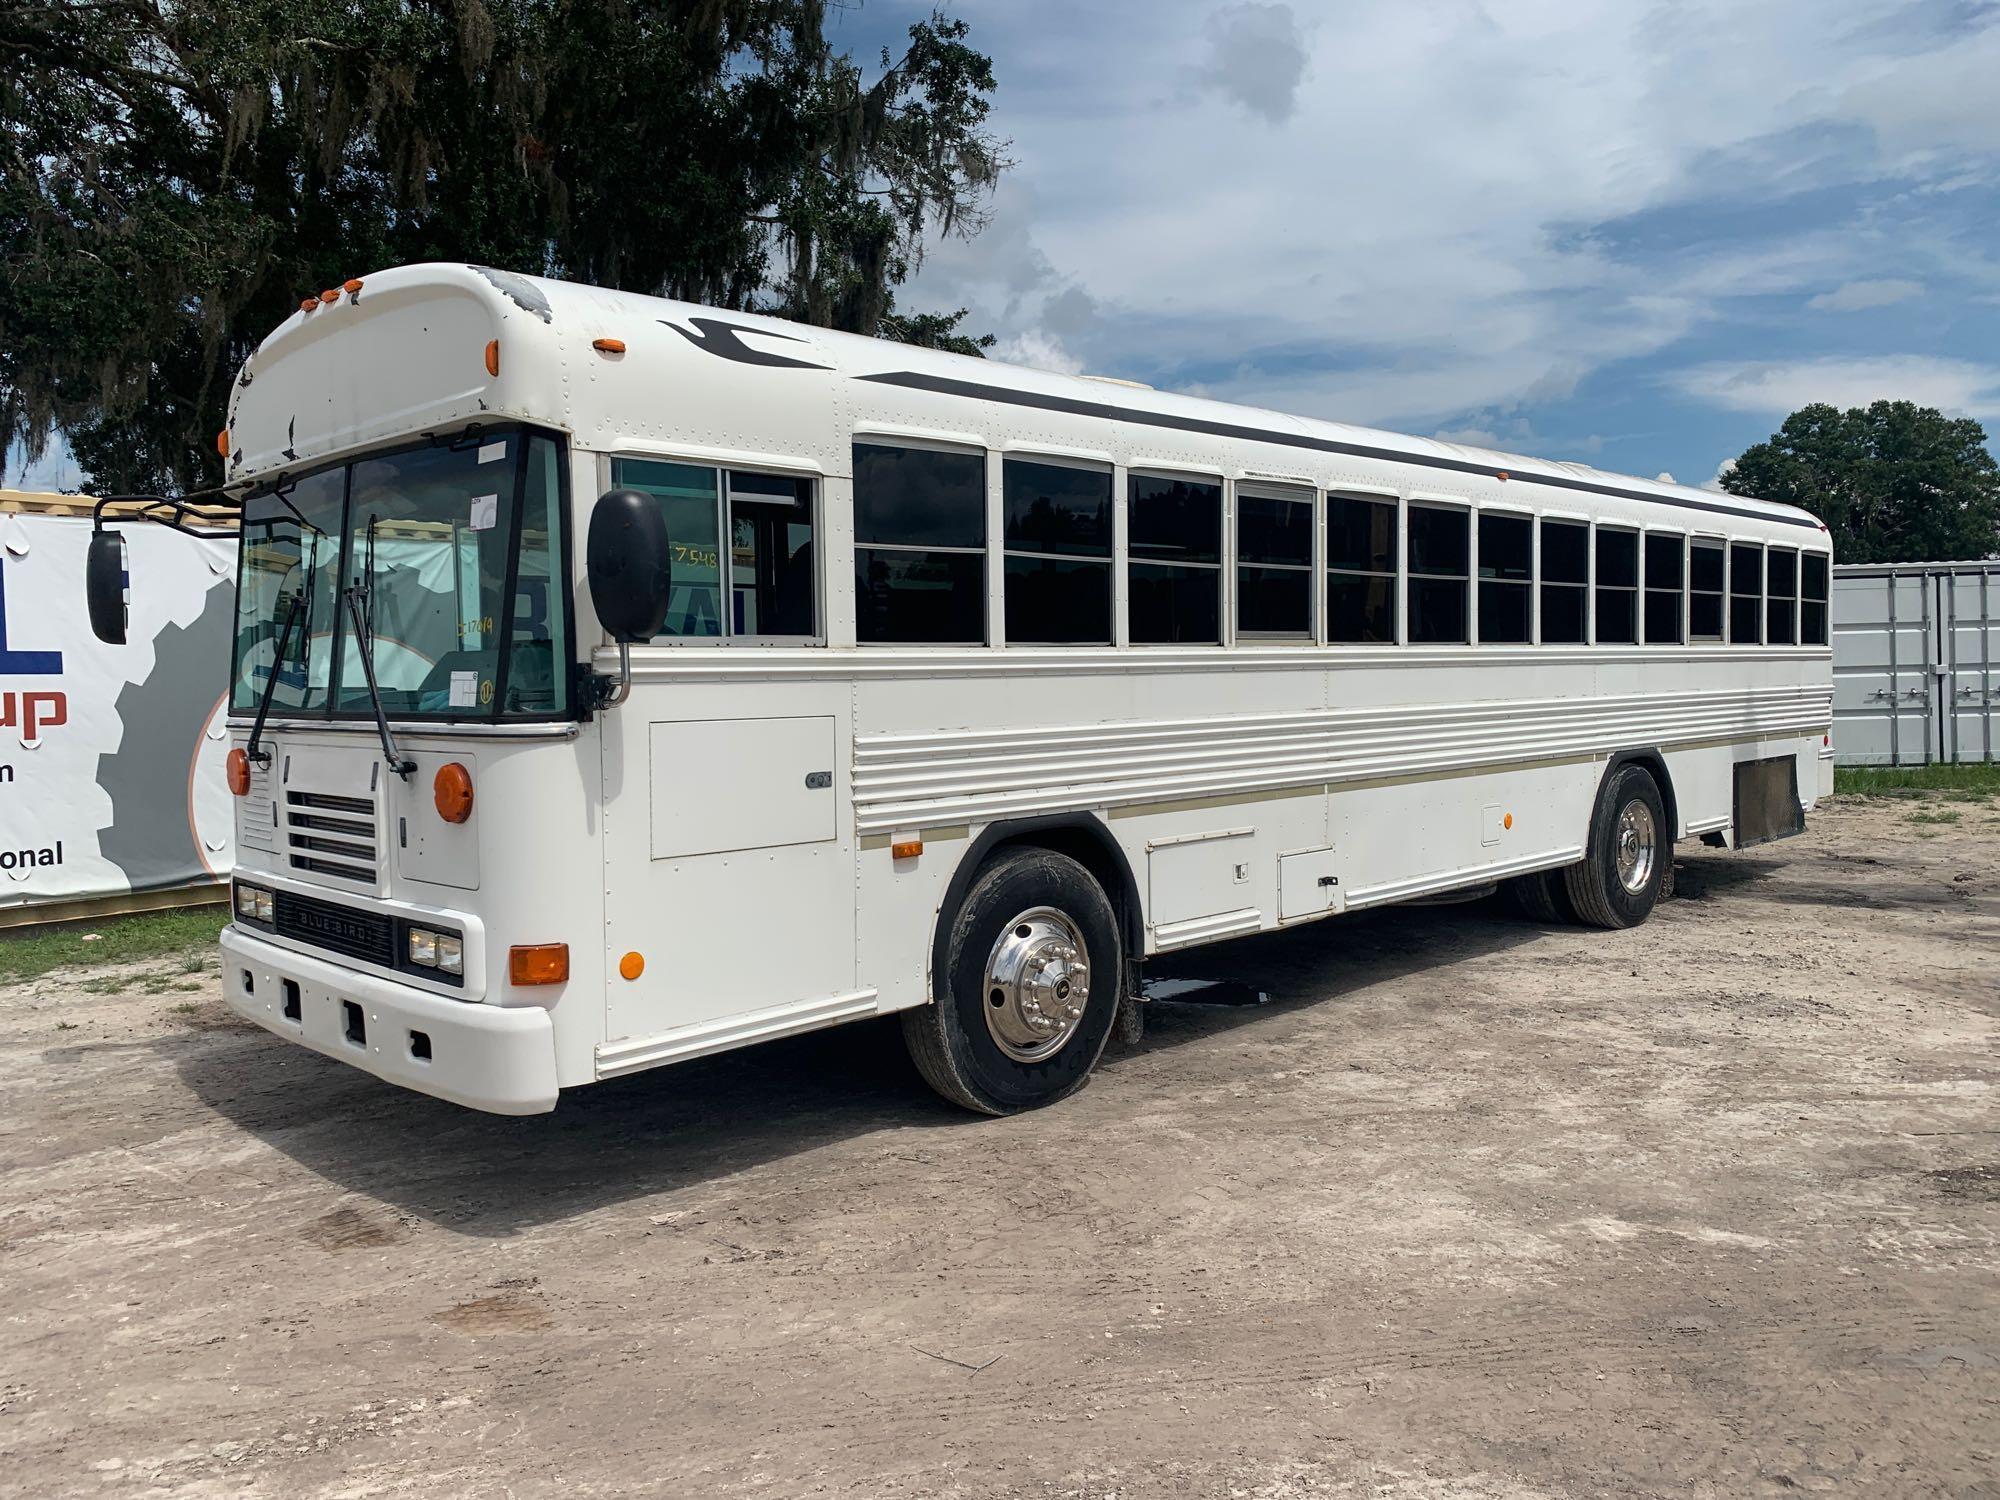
443,562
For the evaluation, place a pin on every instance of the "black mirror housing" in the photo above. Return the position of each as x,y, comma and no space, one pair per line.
104,586
630,569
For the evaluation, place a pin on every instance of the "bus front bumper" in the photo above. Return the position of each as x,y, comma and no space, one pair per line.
490,1057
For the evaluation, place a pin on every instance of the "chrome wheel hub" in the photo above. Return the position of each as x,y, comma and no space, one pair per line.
1037,985
1638,846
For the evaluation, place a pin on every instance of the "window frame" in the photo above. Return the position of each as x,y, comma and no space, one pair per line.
1770,599
1002,551
1720,543
1124,560
1576,521
1467,510
1532,583
722,468
1598,587
1648,537
1291,493
1824,601
1394,501
966,449
1757,545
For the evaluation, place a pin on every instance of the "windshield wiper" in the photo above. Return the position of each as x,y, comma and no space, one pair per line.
359,615
254,751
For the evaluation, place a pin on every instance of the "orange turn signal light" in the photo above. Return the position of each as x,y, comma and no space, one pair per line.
222,442
538,963
238,768
608,346
906,848
493,356
632,965
451,790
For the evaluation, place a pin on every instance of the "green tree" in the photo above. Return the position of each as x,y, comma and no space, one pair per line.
176,174
1894,482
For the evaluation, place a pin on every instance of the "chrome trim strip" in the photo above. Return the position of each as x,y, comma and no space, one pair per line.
423,728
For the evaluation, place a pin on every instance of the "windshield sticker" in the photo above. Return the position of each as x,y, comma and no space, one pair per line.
464,690
485,512
489,452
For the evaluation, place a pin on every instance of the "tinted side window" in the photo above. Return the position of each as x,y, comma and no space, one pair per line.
1173,577
1440,541
1058,564
1052,508
1565,582
918,497
1746,593
1617,587
920,540
1666,565
1361,569
1813,599
1506,571
1274,543
1705,593
1781,596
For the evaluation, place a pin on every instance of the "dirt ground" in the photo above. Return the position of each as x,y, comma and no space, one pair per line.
1430,1202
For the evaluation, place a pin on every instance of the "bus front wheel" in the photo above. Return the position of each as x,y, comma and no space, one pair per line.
1624,873
1029,989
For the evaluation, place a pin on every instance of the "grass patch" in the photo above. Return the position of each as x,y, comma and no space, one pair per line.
186,934
1943,815
1974,779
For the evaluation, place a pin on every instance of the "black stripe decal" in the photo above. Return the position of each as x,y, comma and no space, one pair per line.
1070,406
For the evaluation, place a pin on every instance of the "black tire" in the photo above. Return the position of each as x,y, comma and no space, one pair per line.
1595,889
1537,897
951,1041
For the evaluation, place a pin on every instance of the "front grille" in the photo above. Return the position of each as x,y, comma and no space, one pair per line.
366,935
331,835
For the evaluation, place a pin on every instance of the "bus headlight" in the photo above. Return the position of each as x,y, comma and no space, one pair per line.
435,949
253,903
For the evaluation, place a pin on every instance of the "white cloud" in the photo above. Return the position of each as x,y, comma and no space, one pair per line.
1408,240
1857,296
1039,350
1951,385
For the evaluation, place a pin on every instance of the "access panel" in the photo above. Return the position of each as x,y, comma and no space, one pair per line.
730,784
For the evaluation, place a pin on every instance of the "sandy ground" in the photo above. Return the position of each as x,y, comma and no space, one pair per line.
1466,1207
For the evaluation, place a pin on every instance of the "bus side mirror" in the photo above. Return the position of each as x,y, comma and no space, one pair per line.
104,586
629,566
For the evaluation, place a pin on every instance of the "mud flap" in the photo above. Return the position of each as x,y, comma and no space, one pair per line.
1767,803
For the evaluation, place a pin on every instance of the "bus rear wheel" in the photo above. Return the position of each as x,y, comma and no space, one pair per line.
1028,990
1625,871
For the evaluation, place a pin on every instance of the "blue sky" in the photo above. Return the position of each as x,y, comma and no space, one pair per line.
1633,235
1625,233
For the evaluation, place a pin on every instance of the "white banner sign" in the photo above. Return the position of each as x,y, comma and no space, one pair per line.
111,757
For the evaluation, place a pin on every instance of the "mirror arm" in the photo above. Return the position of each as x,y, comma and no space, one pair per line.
614,691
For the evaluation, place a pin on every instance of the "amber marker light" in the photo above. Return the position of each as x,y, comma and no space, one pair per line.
331,294
311,304
632,965
351,285
538,963
238,769
493,356
1508,821
222,442
608,346
906,848
451,790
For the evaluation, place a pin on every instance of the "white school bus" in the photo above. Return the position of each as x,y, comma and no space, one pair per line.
618,681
